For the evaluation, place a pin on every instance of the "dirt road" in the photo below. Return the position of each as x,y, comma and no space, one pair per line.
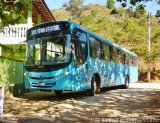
141,100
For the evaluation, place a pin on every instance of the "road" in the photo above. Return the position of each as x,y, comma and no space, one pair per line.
141,101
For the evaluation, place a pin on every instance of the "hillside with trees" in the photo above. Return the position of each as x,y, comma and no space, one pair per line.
126,27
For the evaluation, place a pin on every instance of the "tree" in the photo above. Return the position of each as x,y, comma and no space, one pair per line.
132,2
131,28
154,54
139,12
138,3
74,7
110,4
114,11
11,11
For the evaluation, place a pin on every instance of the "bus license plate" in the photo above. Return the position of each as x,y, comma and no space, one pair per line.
41,83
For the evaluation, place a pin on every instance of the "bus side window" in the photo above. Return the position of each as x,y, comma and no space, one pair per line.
124,59
111,52
95,48
106,52
130,60
134,61
118,56
127,61
114,53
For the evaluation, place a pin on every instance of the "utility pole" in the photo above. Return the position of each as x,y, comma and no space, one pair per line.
149,46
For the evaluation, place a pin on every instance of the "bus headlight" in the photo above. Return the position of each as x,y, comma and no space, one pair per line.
66,73
24,74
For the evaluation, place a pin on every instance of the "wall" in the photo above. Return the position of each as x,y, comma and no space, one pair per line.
11,72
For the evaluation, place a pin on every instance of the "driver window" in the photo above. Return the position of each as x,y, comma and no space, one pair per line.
80,44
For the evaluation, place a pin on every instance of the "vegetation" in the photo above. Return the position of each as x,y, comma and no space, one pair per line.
74,7
11,11
110,4
126,27
139,12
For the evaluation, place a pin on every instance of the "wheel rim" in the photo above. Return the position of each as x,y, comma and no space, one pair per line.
95,87
127,83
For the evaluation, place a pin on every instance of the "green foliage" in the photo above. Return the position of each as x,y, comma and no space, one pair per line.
155,35
156,32
139,12
12,52
154,53
94,12
143,22
110,4
123,28
123,5
132,2
11,11
74,7
86,20
130,12
114,11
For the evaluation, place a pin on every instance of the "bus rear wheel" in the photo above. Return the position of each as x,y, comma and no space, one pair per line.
126,82
94,87
58,92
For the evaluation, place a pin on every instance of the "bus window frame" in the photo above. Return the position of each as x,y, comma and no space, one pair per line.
100,50
103,52
82,42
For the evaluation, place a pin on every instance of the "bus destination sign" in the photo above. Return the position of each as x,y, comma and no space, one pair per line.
45,30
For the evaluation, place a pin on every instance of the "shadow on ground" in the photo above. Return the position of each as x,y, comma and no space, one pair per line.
74,107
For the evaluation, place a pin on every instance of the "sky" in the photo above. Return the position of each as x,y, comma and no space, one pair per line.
56,4
151,6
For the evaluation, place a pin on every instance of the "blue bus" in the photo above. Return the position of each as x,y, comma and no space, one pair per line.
63,56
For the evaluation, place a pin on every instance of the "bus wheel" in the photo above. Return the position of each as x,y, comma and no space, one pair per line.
27,90
126,82
58,92
94,87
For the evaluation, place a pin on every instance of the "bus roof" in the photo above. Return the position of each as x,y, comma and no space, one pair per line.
74,25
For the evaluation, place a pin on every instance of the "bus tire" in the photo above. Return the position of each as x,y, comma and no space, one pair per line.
126,85
58,92
27,90
94,87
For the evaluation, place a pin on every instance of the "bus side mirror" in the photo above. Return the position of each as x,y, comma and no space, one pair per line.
21,49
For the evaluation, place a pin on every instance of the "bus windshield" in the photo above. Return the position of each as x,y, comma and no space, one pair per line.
49,50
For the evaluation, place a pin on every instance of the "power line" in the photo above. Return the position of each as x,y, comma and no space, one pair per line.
152,5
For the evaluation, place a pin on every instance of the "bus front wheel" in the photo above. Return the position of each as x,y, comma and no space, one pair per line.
58,92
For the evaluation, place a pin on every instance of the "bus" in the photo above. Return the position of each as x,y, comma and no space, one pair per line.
64,56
